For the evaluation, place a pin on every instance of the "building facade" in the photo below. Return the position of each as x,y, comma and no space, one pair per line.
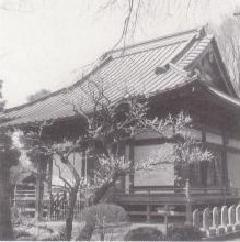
179,72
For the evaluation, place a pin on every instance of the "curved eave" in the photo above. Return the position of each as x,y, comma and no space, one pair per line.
222,99
21,124
15,124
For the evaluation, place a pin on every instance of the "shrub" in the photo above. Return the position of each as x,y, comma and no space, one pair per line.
22,233
86,232
184,234
104,212
37,233
16,216
99,214
144,233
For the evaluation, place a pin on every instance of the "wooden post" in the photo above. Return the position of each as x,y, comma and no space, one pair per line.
206,218
238,214
224,216
196,222
83,163
41,169
188,221
166,208
131,159
232,215
86,165
216,217
50,175
148,213
224,163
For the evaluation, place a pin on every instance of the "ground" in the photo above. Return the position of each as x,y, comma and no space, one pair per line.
52,229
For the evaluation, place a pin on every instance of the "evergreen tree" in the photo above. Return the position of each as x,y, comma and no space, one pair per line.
8,157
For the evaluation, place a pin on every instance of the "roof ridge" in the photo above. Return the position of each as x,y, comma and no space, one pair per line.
103,60
163,37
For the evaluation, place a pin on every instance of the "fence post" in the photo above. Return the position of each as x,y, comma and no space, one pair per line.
41,167
206,222
148,213
50,206
188,221
49,178
225,219
131,159
232,215
215,217
238,214
196,220
224,216
166,208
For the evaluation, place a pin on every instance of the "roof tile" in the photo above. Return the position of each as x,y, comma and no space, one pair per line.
128,71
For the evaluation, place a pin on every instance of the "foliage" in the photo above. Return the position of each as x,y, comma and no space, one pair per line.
108,129
86,232
21,233
104,213
172,129
144,234
37,233
9,156
98,216
184,234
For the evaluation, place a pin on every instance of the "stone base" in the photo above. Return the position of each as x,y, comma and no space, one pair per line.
220,231
229,228
203,232
211,232
236,227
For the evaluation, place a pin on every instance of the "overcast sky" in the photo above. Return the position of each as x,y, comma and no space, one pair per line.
44,43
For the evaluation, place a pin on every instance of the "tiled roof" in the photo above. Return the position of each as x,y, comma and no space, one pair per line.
220,95
154,66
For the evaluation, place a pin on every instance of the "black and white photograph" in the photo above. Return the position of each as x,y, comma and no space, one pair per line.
119,120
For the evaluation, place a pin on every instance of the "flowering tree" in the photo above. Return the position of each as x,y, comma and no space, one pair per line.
104,135
111,164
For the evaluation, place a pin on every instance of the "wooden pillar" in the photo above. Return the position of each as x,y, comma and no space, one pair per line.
216,217
131,159
86,168
204,164
41,169
224,162
83,164
188,221
165,222
127,176
148,213
50,176
206,219
196,219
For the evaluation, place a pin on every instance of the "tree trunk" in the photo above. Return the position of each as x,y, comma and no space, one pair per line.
101,191
6,230
69,219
